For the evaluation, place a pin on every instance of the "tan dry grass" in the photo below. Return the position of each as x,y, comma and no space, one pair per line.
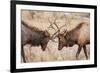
40,20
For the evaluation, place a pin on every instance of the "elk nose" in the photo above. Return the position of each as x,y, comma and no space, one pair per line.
43,49
59,48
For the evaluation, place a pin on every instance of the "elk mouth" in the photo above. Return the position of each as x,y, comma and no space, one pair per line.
60,47
70,45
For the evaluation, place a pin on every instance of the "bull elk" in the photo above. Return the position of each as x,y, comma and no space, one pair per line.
79,35
33,36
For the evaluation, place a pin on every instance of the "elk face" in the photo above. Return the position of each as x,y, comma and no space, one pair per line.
45,40
44,43
62,41
65,40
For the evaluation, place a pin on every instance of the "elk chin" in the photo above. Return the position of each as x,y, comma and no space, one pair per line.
60,47
43,47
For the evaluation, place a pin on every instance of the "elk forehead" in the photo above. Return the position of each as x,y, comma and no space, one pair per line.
62,39
47,34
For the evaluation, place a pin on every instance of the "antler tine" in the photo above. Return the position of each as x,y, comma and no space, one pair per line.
58,31
55,23
51,25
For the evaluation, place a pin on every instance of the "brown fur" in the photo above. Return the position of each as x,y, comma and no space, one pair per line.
33,36
72,37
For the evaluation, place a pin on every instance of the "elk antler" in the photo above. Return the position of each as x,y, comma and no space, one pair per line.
51,25
65,31
57,31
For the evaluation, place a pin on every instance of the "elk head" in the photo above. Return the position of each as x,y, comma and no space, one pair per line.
45,40
65,40
61,36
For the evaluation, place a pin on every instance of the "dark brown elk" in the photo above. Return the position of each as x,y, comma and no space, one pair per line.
79,35
33,36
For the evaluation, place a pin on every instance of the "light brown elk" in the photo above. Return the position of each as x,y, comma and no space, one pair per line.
79,35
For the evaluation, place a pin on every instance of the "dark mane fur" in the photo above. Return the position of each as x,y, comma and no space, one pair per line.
31,28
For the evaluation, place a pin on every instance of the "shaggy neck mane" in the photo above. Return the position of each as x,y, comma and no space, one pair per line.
75,29
31,28
78,26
